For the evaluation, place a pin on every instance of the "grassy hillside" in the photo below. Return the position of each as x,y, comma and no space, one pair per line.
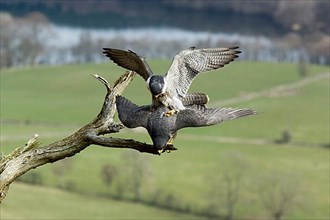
63,205
66,97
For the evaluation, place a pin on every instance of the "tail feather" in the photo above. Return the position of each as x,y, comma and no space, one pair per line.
195,99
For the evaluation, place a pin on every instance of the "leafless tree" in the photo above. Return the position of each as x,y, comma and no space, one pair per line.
279,193
302,66
26,35
225,192
137,170
291,13
108,173
60,168
233,179
32,155
86,48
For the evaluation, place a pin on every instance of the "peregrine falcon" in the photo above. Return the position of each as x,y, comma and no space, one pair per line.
171,89
162,130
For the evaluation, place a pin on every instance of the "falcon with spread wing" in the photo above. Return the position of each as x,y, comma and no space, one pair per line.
162,130
170,90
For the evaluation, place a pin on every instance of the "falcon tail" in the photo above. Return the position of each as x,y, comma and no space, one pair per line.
195,99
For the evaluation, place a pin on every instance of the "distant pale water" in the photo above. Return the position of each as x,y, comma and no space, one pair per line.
78,45
68,36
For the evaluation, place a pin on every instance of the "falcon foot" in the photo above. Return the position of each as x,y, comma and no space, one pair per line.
168,149
170,112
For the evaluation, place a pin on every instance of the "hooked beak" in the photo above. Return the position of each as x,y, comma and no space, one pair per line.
160,94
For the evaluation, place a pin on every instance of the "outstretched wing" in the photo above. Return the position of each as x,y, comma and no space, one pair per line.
129,60
188,63
132,115
199,116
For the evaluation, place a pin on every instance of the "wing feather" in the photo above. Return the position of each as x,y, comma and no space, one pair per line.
130,114
129,60
189,63
199,116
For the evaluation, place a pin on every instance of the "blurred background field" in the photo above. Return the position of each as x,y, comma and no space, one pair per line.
268,166
184,179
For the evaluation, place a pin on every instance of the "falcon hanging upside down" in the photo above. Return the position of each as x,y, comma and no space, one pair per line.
162,130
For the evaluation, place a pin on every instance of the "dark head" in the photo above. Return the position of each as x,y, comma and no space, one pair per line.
156,85
160,142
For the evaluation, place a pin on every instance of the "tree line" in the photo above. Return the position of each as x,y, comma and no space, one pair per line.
24,43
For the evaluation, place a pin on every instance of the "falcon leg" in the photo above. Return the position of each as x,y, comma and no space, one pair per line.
170,141
170,146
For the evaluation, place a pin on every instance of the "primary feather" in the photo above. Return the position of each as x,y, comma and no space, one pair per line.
129,60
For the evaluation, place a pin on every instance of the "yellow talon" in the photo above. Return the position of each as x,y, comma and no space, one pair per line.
170,113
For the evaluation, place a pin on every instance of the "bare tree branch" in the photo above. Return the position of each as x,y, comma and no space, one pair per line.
123,143
32,155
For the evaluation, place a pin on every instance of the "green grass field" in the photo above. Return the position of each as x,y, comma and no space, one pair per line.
69,96
25,200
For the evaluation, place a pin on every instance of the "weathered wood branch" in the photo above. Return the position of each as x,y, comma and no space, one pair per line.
32,155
